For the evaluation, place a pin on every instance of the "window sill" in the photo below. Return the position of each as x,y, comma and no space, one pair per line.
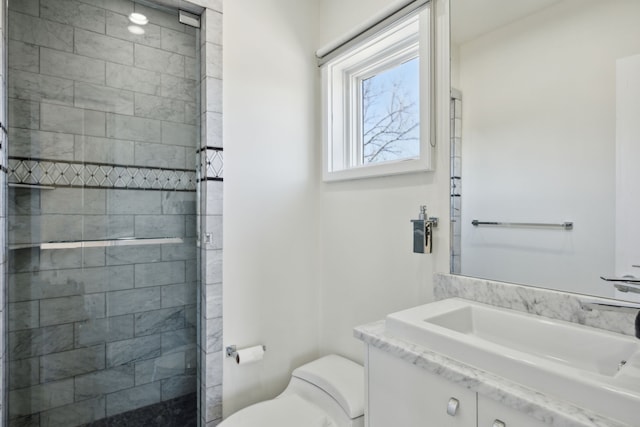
377,170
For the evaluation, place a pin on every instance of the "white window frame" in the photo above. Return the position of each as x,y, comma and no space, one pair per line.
341,87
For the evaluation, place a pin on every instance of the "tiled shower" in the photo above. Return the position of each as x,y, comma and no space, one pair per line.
112,306
456,180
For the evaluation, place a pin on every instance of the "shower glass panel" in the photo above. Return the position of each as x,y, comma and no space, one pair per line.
103,275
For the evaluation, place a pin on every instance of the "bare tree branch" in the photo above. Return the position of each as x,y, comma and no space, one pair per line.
387,128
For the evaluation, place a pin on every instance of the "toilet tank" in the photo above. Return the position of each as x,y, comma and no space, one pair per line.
335,384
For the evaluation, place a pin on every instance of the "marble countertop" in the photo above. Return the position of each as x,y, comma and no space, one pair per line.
550,410
542,302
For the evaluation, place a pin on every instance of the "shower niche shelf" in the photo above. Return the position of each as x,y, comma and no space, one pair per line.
31,186
78,244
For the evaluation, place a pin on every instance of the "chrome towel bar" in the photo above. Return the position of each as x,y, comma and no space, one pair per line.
564,225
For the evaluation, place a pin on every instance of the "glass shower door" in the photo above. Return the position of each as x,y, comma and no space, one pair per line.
103,130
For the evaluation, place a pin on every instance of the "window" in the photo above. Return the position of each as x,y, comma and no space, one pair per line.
390,114
377,103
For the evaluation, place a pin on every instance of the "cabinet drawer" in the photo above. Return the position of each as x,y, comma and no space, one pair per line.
495,414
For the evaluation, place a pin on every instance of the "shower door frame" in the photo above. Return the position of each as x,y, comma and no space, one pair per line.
209,214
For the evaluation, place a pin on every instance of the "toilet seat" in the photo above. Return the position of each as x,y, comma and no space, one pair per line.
285,411
340,378
327,392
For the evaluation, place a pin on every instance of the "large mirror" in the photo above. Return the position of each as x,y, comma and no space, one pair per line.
546,142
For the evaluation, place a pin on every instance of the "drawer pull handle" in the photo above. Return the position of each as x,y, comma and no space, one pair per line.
498,423
452,406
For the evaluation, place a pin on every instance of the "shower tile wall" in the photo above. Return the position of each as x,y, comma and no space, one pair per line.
98,332
211,186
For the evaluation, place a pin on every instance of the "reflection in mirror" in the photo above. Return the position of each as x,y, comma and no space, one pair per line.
546,130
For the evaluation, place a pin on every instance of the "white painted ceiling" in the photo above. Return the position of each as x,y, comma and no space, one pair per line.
472,18
469,18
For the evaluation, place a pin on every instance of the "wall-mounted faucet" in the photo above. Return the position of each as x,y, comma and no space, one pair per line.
626,283
423,232
619,306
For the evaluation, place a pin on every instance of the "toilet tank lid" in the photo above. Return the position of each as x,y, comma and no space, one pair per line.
340,378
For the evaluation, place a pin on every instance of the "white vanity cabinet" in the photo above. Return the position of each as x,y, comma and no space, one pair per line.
401,394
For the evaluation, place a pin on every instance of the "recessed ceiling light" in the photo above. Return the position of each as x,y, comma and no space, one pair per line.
138,19
134,29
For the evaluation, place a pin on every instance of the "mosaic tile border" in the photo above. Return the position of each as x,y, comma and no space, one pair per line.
97,175
212,163
3,145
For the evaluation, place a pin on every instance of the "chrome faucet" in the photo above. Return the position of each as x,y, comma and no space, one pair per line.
625,283
619,306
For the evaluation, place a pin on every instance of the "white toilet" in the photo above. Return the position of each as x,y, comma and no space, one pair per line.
328,392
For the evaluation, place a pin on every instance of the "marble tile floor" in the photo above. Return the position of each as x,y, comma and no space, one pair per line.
178,412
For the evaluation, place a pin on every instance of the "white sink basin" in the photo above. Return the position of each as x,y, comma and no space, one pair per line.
576,363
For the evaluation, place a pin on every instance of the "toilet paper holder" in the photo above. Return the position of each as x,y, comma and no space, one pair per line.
232,350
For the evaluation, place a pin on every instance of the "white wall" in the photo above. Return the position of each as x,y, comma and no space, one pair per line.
368,267
538,143
306,261
271,247
339,18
